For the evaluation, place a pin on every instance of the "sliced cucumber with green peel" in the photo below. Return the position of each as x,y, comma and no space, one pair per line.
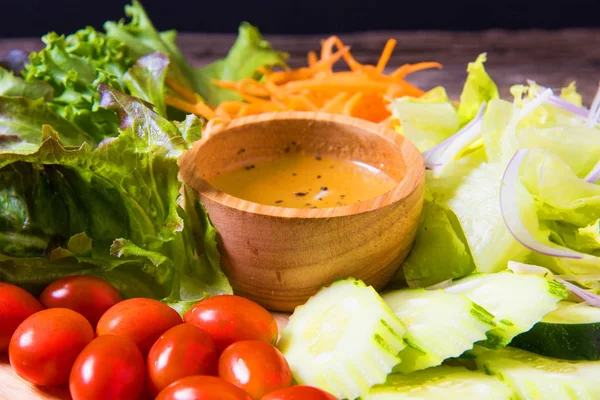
438,325
344,340
516,301
447,383
571,332
534,377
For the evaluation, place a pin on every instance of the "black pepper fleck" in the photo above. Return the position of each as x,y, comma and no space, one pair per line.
249,167
318,158
300,194
293,143
287,149
242,150
318,176
294,174
278,201
342,196
323,187
314,207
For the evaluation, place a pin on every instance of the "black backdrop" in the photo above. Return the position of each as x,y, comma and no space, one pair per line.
35,17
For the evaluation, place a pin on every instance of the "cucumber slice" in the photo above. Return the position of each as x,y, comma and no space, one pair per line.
516,301
344,340
534,377
438,325
448,383
571,332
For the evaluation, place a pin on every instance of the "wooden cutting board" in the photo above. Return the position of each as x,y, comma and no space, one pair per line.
14,388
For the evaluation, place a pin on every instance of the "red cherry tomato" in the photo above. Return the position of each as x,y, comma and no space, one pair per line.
229,319
141,320
255,366
202,388
87,295
16,304
45,346
183,350
299,393
110,367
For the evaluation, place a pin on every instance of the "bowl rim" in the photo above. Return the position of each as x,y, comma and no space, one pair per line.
413,178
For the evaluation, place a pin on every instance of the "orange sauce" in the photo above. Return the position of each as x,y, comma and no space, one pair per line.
305,181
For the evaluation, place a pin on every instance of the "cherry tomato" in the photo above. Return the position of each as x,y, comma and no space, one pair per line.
183,350
15,305
229,318
255,366
110,367
87,295
141,320
45,346
202,388
299,393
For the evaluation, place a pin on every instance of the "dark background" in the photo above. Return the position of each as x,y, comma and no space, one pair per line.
20,18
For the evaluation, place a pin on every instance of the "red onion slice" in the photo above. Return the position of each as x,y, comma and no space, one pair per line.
594,114
509,208
445,152
594,174
563,104
567,106
589,298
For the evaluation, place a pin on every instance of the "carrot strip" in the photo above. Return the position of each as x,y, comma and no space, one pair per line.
406,69
312,58
203,110
385,55
331,104
199,108
182,91
363,91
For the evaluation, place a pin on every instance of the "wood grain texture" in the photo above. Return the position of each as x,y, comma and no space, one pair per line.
14,388
552,58
279,256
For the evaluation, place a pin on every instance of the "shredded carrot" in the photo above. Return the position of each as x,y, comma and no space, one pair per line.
385,55
184,92
312,58
362,91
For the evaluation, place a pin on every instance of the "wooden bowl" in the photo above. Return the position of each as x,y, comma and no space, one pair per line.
279,256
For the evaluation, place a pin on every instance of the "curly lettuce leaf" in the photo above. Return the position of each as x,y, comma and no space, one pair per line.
113,212
249,53
22,120
190,128
11,85
146,80
74,66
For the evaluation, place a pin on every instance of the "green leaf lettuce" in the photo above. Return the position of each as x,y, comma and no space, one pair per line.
113,211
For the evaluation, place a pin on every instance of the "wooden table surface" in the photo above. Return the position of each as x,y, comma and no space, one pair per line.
552,58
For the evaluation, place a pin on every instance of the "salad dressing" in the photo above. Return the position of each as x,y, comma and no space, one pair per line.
305,181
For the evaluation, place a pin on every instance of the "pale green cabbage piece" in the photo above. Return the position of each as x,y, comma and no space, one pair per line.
426,120
556,205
